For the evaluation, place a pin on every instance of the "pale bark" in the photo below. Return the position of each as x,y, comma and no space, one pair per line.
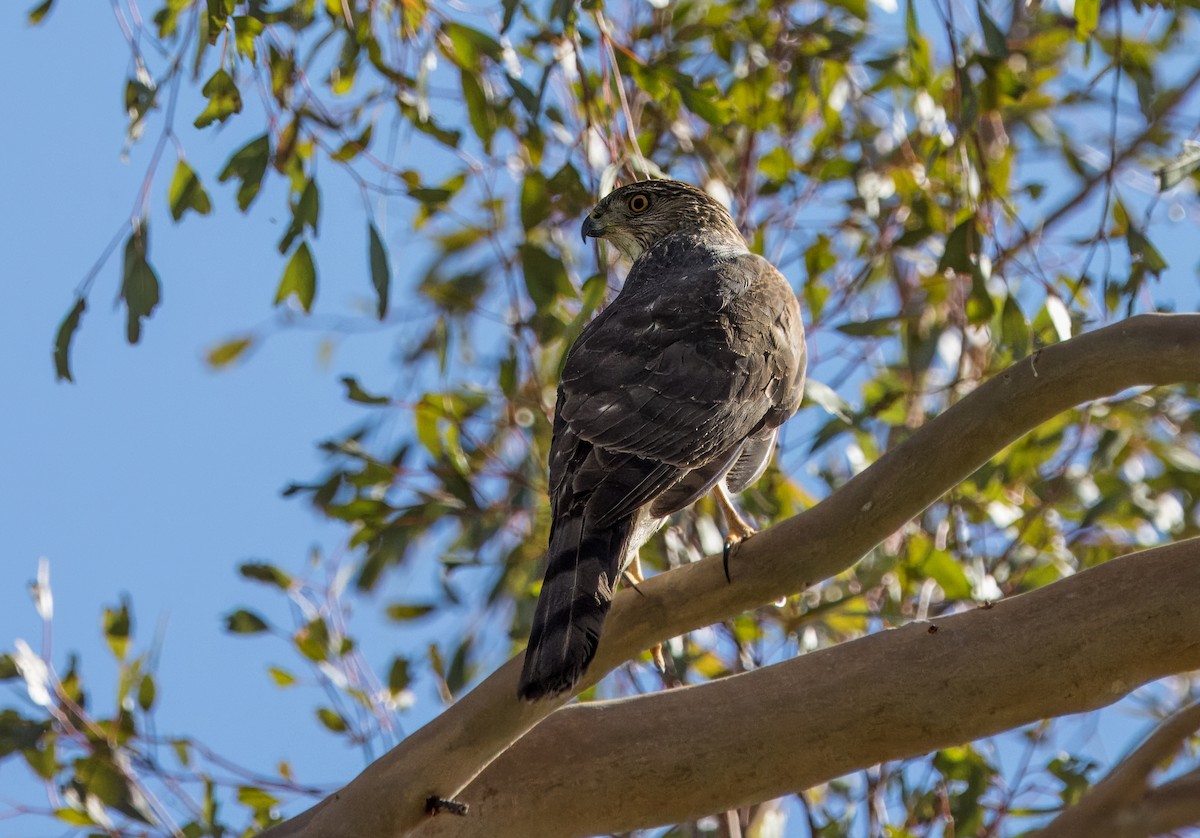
1079,644
388,798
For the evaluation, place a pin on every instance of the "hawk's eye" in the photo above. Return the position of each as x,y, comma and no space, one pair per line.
639,203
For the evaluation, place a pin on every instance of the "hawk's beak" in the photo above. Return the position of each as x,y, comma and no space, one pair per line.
590,228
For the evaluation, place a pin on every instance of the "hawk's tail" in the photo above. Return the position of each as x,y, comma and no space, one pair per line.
581,570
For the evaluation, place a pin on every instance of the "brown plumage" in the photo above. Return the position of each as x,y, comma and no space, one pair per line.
679,384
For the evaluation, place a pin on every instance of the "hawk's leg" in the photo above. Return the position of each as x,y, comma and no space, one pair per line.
735,525
634,574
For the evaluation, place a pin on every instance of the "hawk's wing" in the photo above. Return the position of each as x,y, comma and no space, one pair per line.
686,364
697,358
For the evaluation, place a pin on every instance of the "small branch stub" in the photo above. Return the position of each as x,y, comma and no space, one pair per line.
435,805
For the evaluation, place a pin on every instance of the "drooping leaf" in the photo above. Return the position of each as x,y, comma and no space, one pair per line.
356,393
993,38
242,621
268,573
299,279
381,272
403,611
332,720
117,629
224,99
187,193
62,340
139,283
1087,17
248,164
38,12
224,354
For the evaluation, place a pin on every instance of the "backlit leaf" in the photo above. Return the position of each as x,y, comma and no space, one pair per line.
62,340
299,279
187,193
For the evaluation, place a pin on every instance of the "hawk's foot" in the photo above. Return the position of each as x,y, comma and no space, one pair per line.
736,525
633,573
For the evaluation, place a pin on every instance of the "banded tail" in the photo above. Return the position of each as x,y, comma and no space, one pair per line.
581,570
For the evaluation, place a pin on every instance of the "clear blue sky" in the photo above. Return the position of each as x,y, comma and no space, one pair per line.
153,475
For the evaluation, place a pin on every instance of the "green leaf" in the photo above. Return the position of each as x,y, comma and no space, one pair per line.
139,285
187,193
245,622
117,628
1087,17
874,327
351,148
479,110
545,276
355,392
703,102
332,720
146,692
381,272
62,340
401,611
224,354
941,568
961,247
71,816
306,212
993,38
248,164
1014,328
467,45
299,279
224,99
1173,173
267,573
281,677
535,200
38,12
398,676
246,30
825,397
256,798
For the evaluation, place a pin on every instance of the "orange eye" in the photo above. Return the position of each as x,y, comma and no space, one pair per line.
639,203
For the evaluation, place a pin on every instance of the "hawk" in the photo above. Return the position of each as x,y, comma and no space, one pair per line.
676,388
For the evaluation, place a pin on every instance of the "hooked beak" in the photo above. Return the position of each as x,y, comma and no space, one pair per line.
590,228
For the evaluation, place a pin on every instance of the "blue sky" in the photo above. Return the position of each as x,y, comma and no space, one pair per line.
153,475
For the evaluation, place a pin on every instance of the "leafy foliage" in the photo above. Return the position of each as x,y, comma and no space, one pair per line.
950,188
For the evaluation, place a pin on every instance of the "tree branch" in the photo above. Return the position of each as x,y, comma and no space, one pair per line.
1079,644
388,798
1123,805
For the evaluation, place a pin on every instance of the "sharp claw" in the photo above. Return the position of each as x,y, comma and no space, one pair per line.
725,554
660,662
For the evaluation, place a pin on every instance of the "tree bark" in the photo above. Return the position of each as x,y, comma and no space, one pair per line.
1079,644
389,797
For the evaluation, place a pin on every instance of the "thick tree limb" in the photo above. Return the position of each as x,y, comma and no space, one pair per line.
388,798
1079,644
1124,805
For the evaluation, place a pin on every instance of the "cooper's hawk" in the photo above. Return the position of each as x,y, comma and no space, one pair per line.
679,385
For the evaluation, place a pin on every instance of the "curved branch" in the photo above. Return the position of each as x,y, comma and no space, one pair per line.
1079,644
388,798
1124,805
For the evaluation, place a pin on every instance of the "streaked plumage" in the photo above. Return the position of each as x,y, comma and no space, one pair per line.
680,383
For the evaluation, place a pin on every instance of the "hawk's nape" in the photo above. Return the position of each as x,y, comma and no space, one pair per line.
679,384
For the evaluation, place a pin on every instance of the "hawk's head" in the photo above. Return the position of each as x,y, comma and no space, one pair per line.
636,216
